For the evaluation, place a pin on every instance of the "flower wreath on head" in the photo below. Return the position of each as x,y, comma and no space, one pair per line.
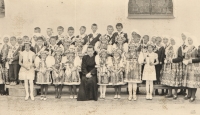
103,51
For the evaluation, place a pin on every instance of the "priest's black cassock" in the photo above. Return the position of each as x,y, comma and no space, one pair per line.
88,88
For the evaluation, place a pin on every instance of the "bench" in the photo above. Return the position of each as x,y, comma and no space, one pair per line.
18,90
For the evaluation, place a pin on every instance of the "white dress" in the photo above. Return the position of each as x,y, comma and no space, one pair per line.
27,58
149,72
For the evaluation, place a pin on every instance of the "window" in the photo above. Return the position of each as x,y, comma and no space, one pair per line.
150,9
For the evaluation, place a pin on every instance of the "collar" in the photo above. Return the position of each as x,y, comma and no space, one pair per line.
16,45
82,36
121,32
109,35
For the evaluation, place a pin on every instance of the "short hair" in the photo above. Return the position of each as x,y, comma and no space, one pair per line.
138,35
50,29
119,24
53,37
40,38
146,36
109,26
83,27
70,28
90,46
37,28
13,37
25,37
60,27
158,38
94,24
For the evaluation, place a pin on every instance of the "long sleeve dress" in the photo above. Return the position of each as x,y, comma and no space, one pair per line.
192,69
133,66
88,88
103,73
43,68
172,71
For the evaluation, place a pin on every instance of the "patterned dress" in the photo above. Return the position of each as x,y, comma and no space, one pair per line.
43,67
72,66
117,77
132,66
172,71
103,73
192,69
58,73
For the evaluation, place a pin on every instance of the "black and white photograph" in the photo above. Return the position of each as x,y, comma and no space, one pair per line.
99,57
2,9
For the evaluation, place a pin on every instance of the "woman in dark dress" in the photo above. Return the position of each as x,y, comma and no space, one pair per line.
88,88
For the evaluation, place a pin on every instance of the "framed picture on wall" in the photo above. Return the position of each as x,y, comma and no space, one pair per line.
2,9
150,9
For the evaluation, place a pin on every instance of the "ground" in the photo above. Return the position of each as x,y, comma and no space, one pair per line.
159,105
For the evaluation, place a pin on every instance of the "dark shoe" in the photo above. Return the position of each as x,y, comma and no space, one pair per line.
59,96
187,97
192,100
168,96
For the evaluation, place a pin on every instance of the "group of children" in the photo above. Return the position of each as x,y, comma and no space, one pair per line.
56,59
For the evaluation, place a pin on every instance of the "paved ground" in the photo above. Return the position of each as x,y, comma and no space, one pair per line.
159,105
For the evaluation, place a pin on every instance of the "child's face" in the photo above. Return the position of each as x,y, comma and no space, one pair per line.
190,41
165,40
6,40
60,31
40,42
82,31
173,42
150,48
133,34
183,37
145,40
26,40
49,32
27,47
37,31
65,44
20,40
119,28
43,56
13,41
104,55
158,41
52,41
110,30
35,37
153,39
116,55
94,28
136,40
71,32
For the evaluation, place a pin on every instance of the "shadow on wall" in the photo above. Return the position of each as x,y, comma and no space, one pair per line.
2,9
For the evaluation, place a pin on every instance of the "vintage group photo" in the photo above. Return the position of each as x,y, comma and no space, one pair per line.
99,57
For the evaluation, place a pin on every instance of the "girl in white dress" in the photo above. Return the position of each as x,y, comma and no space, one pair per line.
27,73
149,73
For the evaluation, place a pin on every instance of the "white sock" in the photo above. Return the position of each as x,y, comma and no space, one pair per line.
151,87
26,87
104,90
101,90
31,87
147,86
130,88
134,88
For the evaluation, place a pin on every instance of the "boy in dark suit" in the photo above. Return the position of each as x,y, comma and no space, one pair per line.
160,50
119,28
94,36
13,59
